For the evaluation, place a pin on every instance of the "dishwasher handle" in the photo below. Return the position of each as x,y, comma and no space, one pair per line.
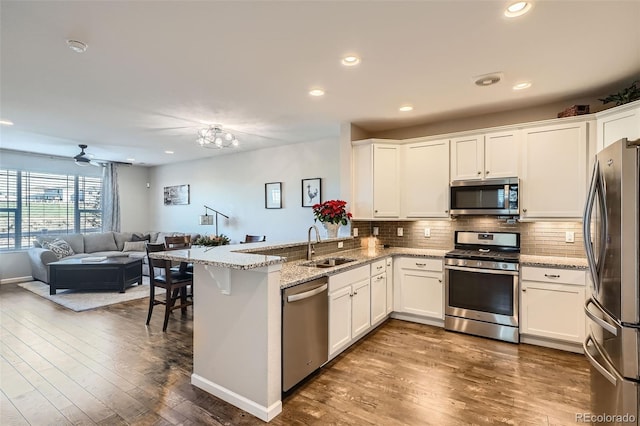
307,294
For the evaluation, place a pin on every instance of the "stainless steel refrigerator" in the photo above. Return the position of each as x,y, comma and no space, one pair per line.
612,241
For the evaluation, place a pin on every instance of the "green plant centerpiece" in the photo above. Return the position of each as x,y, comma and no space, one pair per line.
212,240
630,94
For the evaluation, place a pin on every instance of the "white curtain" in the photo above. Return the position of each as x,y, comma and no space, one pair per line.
110,198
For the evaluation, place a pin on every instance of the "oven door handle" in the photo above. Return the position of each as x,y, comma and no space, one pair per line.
482,271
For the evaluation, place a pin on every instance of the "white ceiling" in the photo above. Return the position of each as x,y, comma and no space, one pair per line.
154,70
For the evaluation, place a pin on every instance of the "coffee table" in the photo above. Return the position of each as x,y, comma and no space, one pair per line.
113,273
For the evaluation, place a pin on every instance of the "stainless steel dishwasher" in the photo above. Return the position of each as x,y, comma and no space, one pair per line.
305,330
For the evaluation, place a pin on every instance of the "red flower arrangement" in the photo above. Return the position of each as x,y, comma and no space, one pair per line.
332,211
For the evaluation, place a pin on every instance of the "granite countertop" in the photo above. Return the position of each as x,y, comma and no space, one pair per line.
294,273
554,261
221,256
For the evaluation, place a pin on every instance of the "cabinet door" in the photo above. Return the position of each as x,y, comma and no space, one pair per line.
501,155
386,180
622,124
339,319
422,293
554,311
378,298
425,179
467,157
360,308
389,285
554,171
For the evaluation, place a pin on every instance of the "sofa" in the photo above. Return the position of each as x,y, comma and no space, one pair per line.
51,248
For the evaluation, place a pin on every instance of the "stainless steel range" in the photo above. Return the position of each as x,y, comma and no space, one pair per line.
481,285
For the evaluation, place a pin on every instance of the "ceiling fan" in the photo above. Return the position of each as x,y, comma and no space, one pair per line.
83,159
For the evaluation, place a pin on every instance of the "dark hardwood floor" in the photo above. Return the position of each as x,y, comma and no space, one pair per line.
105,367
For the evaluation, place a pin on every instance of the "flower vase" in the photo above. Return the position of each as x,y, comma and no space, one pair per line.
332,229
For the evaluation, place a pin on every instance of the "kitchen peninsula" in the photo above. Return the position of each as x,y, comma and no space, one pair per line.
237,318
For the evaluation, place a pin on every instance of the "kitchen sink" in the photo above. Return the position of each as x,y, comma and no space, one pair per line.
328,263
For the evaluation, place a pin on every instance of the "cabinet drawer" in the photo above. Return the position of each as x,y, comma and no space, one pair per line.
378,266
344,279
420,264
552,275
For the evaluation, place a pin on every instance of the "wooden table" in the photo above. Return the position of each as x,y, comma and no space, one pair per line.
114,273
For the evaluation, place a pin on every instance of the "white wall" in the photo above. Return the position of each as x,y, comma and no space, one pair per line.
234,185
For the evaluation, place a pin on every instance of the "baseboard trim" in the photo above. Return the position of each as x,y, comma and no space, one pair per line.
263,413
554,344
16,280
418,319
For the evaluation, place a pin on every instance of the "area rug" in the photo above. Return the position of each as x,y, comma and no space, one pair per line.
83,300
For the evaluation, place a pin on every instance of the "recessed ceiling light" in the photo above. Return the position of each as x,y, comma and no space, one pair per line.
316,92
518,8
6,123
77,46
487,80
406,108
350,60
168,152
522,86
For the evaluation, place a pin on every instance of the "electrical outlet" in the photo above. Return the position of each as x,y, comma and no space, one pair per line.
355,232
427,232
400,232
375,230
569,237
340,244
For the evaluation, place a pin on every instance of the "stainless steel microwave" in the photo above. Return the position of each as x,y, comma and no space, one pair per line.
492,197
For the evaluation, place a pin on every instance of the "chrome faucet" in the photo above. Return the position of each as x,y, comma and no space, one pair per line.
310,250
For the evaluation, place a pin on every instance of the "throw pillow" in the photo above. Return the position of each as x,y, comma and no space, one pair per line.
59,247
135,246
141,237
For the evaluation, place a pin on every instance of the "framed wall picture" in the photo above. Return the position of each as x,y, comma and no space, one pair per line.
273,195
311,192
176,195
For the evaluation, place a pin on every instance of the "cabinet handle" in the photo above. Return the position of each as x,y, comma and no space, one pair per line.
439,281
524,290
421,264
479,172
487,172
524,210
379,267
375,211
446,211
552,276
355,293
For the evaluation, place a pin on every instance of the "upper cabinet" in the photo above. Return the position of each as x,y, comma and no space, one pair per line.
485,156
425,179
617,123
376,180
554,171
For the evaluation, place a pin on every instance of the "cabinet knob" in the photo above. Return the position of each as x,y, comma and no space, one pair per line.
524,210
439,281
446,211
479,172
375,211
487,172
524,290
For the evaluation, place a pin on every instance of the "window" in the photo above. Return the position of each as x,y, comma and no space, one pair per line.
33,204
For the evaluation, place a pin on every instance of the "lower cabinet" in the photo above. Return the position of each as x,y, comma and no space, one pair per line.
379,293
419,289
349,307
552,307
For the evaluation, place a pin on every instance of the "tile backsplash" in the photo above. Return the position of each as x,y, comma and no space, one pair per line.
536,238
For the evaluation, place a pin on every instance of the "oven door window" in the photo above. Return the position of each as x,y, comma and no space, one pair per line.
481,292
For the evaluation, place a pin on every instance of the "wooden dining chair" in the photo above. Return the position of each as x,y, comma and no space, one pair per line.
177,242
175,284
254,238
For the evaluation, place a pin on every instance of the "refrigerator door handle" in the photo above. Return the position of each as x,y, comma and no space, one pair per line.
586,226
602,323
601,369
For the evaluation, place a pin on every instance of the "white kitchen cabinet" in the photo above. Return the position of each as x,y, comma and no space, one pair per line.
349,307
485,156
378,291
389,269
552,305
419,289
376,180
554,171
617,123
425,179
